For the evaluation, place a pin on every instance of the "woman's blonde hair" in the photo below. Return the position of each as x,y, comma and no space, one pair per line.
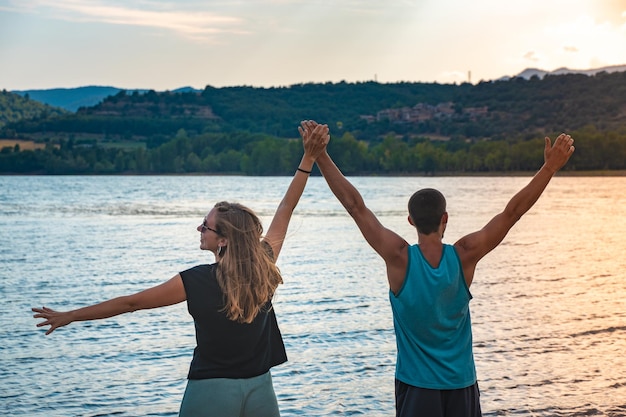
246,271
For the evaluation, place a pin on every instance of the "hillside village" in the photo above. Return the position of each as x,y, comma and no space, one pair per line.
423,111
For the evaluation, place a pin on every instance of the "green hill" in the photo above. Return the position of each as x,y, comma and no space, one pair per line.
492,110
14,108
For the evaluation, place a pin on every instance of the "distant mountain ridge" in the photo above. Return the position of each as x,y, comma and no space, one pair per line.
74,98
528,73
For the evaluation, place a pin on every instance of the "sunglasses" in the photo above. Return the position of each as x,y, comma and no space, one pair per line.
204,228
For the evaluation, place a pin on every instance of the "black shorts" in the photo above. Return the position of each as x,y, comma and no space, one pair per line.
421,402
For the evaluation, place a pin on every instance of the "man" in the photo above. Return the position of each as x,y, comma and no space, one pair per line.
429,286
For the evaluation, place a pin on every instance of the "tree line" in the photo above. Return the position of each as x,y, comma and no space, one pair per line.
257,154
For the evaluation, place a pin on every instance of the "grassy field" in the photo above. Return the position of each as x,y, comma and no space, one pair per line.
25,145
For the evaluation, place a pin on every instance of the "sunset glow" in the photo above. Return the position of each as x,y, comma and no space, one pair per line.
162,44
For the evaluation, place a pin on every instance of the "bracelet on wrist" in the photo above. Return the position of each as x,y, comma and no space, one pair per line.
304,170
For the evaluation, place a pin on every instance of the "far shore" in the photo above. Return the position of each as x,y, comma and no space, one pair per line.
565,173
593,173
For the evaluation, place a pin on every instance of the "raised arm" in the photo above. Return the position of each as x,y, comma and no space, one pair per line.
314,143
168,293
389,245
475,246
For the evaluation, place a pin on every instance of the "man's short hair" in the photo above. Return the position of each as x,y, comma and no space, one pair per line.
426,207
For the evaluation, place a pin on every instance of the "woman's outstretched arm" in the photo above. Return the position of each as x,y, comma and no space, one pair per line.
168,293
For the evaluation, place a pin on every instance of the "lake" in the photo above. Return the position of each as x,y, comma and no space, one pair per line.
549,307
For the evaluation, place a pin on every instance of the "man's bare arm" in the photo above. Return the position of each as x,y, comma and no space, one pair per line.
389,245
475,246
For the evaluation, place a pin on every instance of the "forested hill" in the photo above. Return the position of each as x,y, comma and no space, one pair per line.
14,107
487,110
377,128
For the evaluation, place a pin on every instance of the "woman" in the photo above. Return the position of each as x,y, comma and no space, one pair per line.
237,335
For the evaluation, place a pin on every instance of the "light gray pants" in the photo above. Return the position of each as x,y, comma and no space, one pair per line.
225,397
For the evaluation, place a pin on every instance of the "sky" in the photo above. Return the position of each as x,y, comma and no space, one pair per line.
168,44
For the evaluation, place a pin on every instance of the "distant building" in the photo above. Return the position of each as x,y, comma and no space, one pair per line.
422,112
475,112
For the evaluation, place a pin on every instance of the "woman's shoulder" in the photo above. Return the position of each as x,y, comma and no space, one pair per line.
268,249
198,271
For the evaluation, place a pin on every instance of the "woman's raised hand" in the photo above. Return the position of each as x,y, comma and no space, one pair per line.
315,137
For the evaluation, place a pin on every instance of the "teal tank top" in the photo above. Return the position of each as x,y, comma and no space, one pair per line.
432,323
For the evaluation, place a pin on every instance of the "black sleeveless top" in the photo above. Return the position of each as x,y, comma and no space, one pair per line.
226,348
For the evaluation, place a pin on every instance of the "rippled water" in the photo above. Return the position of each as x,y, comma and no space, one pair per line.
549,306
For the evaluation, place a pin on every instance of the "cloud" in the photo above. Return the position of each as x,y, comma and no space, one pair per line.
531,56
454,76
193,24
